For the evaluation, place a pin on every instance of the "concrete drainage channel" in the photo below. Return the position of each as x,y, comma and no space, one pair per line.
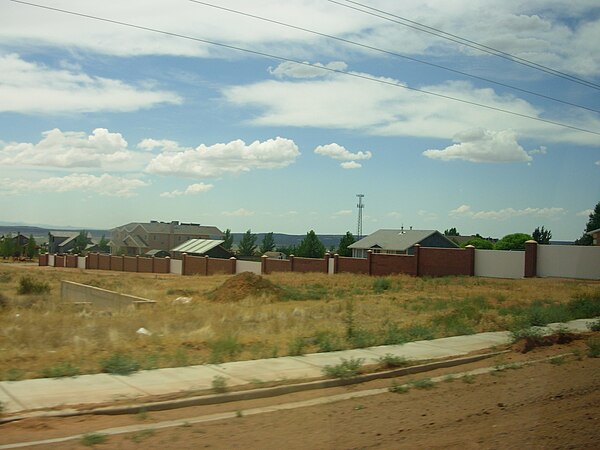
269,391
253,394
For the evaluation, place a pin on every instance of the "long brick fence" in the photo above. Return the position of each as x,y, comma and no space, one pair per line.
536,260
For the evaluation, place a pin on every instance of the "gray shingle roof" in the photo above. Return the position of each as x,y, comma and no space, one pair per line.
175,228
399,240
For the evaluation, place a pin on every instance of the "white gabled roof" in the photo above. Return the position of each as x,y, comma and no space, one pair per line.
198,245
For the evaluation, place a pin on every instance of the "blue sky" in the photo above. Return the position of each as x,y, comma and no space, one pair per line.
102,124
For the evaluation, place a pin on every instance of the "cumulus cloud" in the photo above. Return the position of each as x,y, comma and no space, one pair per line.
598,163
192,189
506,213
338,152
482,146
72,149
231,158
292,69
30,87
343,212
105,184
242,212
584,213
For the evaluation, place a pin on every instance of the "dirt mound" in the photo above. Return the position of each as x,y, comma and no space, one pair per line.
528,343
243,285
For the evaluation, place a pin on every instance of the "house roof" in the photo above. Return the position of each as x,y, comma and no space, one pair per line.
173,227
593,231
198,245
399,240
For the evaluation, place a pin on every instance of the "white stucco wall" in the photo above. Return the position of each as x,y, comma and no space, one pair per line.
81,262
176,266
568,261
499,263
247,266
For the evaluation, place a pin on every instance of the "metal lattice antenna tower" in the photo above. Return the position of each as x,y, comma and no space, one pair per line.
360,207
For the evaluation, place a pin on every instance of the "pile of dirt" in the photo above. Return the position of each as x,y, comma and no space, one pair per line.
243,285
528,343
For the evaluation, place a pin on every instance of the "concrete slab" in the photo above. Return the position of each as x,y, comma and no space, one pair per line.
321,360
176,379
421,350
51,392
468,343
9,404
272,369
580,325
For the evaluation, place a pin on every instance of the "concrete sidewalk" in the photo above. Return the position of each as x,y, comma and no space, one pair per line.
46,393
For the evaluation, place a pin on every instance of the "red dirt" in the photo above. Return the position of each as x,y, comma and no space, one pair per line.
546,405
243,285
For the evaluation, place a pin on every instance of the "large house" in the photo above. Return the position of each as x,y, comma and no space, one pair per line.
64,241
595,234
399,242
139,238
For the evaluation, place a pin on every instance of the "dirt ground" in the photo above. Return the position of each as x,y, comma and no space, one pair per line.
553,404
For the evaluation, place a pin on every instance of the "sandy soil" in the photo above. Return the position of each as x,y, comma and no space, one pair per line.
546,405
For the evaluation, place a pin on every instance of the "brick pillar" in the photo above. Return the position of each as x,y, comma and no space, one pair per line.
206,261
530,259
336,262
471,250
233,265
168,258
369,262
417,257
263,264
291,263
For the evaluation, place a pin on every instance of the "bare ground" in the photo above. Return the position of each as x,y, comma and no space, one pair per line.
547,405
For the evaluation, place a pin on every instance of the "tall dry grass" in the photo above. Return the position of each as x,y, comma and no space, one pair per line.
314,312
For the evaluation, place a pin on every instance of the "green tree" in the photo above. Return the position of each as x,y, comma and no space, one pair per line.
247,245
7,249
451,232
103,245
31,248
480,243
288,249
228,238
541,235
592,224
267,244
81,242
311,246
515,241
345,241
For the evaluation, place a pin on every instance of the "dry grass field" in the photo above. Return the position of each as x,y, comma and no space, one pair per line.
245,318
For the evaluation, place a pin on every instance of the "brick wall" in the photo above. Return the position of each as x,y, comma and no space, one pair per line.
309,264
351,265
438,262
382,264
145,265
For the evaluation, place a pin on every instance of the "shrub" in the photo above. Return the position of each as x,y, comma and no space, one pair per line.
593,345
468,378
296,347
584,306
348,368
594,326
390,361
63,369
381,284
328,341
225,347
530,333
119,364
219,384
399,388
91,439
28,285
425,383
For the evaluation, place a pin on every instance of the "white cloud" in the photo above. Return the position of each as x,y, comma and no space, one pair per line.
192,189
338,152
105,184
584,213
29,87
242,212
234,157
291,69
73,149
482,146
598,163
350,165
538,151
506,213
427,215
343,212
385,108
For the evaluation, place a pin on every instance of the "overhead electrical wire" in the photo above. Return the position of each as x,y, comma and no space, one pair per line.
460,40
391,53
304,63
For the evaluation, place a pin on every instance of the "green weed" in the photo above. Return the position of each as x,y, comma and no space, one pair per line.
348,368
397,388
468,378
296,347
91,439
594,326
63,369
327,341
424,383
381,285
139,436
224,348
390,361
593,345
29,286
558,360
219,384
119,364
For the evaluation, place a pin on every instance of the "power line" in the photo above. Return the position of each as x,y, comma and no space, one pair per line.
463,41
304,63
388,52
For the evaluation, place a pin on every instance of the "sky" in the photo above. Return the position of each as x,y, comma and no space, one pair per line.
276,118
